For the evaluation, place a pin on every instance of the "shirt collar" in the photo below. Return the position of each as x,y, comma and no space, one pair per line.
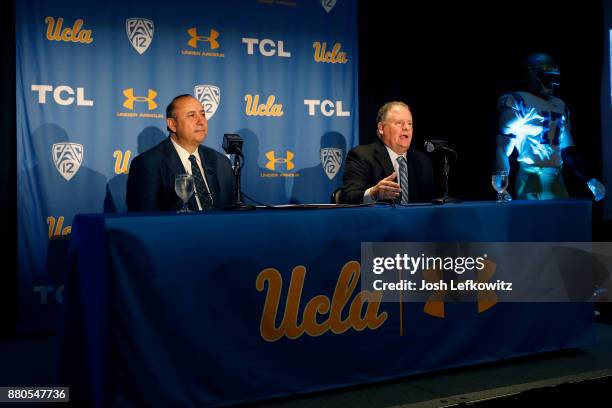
184,154
394,155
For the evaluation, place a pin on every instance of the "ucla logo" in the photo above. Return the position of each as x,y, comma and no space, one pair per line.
122,161
130,99
211,38
67,158
273,160
320,314
209,96
335,56
55,32
254,108
328,5
331,160
140,33
56,228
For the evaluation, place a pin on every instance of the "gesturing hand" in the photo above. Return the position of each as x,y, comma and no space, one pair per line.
386,189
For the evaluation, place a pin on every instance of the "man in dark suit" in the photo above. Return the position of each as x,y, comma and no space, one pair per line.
388,170
150,185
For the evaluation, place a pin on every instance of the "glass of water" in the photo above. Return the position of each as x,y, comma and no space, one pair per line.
499,180
183,185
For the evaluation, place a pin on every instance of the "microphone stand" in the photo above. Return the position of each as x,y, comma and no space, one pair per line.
446,171
238,205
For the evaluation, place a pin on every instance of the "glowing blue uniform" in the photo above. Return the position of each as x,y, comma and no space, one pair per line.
539,128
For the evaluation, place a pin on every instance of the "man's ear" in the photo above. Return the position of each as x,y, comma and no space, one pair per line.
380,128
171,123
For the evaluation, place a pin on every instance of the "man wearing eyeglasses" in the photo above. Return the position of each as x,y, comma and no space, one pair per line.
388,170
150,185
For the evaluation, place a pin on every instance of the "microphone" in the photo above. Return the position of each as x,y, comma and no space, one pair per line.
432,145
232,143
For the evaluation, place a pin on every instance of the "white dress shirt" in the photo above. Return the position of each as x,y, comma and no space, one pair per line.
184,156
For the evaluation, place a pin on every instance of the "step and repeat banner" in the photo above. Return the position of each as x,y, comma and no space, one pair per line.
93,82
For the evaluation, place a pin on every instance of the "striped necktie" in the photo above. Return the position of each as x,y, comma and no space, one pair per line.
403,178
201,189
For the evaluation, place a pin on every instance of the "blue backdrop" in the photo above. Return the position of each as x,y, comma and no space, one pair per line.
93,81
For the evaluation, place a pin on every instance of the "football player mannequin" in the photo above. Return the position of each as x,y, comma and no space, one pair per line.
536,123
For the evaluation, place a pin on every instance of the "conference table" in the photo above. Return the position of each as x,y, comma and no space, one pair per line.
216,308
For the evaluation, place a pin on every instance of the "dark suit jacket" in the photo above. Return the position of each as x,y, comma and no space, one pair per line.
366,165
150,185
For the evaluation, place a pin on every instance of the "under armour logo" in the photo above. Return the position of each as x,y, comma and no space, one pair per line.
212,38
273,160
486,299
130,99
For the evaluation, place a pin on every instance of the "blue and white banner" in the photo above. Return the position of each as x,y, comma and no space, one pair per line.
93,81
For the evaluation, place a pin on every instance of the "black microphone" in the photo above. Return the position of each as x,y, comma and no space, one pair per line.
435,144
232,143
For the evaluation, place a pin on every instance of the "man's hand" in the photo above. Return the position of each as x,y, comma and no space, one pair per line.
386,189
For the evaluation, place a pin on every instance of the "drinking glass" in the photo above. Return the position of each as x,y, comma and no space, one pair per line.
183,185
499,180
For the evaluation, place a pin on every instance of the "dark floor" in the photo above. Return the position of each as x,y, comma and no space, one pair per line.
564,376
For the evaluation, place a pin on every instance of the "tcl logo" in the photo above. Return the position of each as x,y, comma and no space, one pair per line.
62,95
327,107
267,47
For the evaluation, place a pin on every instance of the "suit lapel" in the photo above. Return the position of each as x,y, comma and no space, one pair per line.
413,175
173,161
174,166
382,156
209,171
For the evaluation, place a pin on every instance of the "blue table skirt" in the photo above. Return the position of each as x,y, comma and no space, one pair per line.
170,309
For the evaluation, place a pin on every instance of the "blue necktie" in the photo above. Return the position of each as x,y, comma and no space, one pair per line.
403,178
202,192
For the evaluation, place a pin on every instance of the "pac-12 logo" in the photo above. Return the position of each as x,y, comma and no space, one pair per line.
209,96
331,160
67,158
140,33
328,5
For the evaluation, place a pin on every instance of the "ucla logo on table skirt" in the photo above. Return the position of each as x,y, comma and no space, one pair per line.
317,307
322,314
